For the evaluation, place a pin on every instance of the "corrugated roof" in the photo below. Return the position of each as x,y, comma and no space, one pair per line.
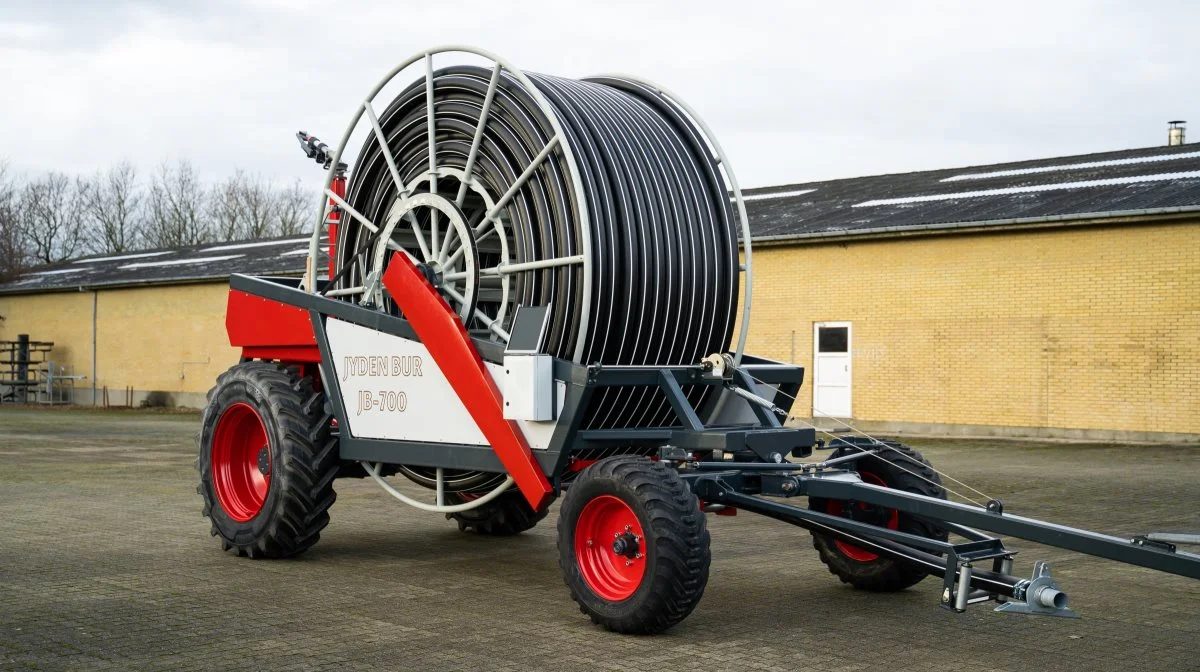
1132,181
196,263
1129,182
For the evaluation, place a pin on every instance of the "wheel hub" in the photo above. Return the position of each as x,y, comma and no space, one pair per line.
867,513
614,569
627,545
431,272
264,461
450,261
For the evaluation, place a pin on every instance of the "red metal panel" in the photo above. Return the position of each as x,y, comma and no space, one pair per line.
284,353
254,321
338,186
444,336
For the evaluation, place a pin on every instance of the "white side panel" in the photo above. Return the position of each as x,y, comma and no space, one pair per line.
529,387
392,389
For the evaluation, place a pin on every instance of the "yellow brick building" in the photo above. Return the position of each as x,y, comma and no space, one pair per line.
167,338
153,321
1081,331
1057,298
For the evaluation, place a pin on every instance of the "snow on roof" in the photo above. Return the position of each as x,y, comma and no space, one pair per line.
1114,184
1128,182
256,243
195,263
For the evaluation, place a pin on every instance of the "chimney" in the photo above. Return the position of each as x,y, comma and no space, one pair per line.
1175,133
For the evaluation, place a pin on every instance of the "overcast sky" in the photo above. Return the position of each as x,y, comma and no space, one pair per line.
795,91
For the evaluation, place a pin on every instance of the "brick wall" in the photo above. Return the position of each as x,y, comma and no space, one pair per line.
167,338
1095,328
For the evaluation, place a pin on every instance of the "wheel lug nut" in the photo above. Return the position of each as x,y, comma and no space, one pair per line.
589,542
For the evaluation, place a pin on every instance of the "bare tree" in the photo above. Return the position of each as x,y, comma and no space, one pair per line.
258,205
176,214
113,202
50,215
224,209
52,218
14,250
244,208
296,208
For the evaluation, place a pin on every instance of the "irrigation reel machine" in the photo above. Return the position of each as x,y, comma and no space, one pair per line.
533,288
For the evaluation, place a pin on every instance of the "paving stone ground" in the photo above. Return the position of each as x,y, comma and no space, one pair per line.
106,563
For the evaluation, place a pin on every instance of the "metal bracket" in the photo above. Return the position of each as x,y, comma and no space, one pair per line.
956,583
1164,541
669,453
1040,595
719,365
370,288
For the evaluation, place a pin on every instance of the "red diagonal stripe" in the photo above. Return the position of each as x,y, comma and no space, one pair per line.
444,336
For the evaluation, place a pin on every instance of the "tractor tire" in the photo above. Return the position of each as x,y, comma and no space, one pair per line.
633,545
267,461
505,516
860,567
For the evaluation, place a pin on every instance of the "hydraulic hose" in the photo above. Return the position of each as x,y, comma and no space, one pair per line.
632,243
663,257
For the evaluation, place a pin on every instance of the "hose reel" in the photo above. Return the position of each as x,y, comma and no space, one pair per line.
604,198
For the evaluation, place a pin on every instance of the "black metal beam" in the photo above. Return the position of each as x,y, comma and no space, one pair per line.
423,454
1051,534
993,582
611,436
679,401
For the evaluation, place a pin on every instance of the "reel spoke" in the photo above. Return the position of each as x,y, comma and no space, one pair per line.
347,291
468,171
509,269
488,322
383,148
416,229
431,131
446,241
523,177
352,212
458,253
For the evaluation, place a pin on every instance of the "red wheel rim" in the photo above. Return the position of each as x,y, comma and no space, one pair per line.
835,508
606,525
240,437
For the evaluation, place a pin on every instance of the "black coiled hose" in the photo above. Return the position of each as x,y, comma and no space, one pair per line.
660,255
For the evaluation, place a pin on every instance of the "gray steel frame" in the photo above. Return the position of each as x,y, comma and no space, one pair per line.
747,486
761,440
757,449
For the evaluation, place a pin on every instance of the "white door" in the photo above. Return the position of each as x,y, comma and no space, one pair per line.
831,369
